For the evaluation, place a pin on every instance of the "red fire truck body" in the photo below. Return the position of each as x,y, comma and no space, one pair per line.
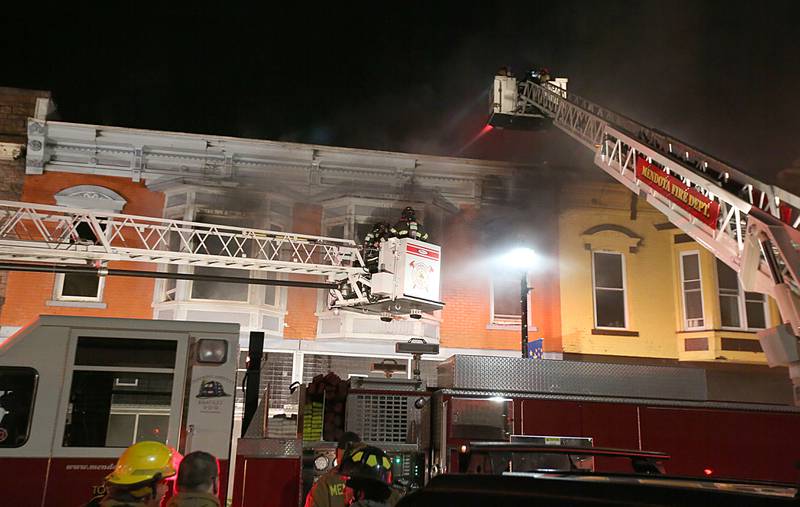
556,398
717,439
78,390
84,388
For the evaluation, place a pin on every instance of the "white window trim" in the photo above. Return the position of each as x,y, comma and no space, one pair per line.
91,197
686,326
255,293
58,288
503,323
137,413
741,305
624,289
350,218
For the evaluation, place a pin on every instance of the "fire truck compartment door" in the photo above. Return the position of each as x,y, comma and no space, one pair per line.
210,404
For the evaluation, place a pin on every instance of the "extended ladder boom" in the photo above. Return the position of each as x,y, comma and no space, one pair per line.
749,225
39,234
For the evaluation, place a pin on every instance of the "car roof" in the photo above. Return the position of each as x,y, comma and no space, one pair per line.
618,490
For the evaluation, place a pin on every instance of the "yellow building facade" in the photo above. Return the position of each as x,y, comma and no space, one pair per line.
634,285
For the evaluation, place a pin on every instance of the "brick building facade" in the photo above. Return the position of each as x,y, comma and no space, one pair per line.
614,278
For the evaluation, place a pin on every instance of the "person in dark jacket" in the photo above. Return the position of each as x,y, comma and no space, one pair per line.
198,481
368,473
328,491
408,227
380,232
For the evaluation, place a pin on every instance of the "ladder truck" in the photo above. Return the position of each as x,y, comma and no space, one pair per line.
748,224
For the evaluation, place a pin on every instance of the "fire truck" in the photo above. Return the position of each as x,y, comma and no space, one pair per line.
80,389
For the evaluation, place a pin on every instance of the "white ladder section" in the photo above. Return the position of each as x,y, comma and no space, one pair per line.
755,231
748,208
59,235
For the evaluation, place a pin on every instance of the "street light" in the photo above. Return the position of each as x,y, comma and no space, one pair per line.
522,259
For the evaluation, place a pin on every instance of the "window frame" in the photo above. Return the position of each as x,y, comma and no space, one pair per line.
93,198
683,280
179,372
503,319
58,291
741,305
624,290
350,218
255,293
32,410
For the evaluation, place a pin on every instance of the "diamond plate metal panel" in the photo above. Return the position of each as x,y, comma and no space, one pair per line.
272,447
572,377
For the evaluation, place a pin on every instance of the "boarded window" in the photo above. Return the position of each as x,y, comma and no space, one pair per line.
741,345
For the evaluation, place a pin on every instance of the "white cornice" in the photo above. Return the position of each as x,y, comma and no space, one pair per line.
163,159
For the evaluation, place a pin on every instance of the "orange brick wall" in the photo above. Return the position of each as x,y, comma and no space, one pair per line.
466,293
125,297
301,304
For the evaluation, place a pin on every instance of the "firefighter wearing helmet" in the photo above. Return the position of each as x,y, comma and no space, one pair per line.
368,473
380,232
408,227
139,477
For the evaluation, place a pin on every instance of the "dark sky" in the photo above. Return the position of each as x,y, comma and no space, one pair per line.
414,76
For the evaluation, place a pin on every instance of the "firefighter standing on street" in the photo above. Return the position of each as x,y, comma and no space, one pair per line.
197,482
140,477
408,227
368,471
328,491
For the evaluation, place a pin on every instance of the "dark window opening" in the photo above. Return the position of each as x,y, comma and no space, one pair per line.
126,352
506,298
221,244
79,285
117,409
17,391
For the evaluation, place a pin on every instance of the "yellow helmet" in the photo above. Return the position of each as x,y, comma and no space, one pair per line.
142,462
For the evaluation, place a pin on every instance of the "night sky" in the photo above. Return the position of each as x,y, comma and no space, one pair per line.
415,76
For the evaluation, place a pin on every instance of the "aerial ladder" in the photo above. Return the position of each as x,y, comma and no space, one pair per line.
43,238
746,223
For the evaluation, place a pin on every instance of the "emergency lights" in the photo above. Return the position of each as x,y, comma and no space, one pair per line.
212,351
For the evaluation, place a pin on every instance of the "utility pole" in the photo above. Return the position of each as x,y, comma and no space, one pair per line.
523,304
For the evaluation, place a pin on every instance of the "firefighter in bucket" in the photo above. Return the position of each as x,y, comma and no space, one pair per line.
408,226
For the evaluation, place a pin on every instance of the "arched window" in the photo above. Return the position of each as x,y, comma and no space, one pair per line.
73,289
